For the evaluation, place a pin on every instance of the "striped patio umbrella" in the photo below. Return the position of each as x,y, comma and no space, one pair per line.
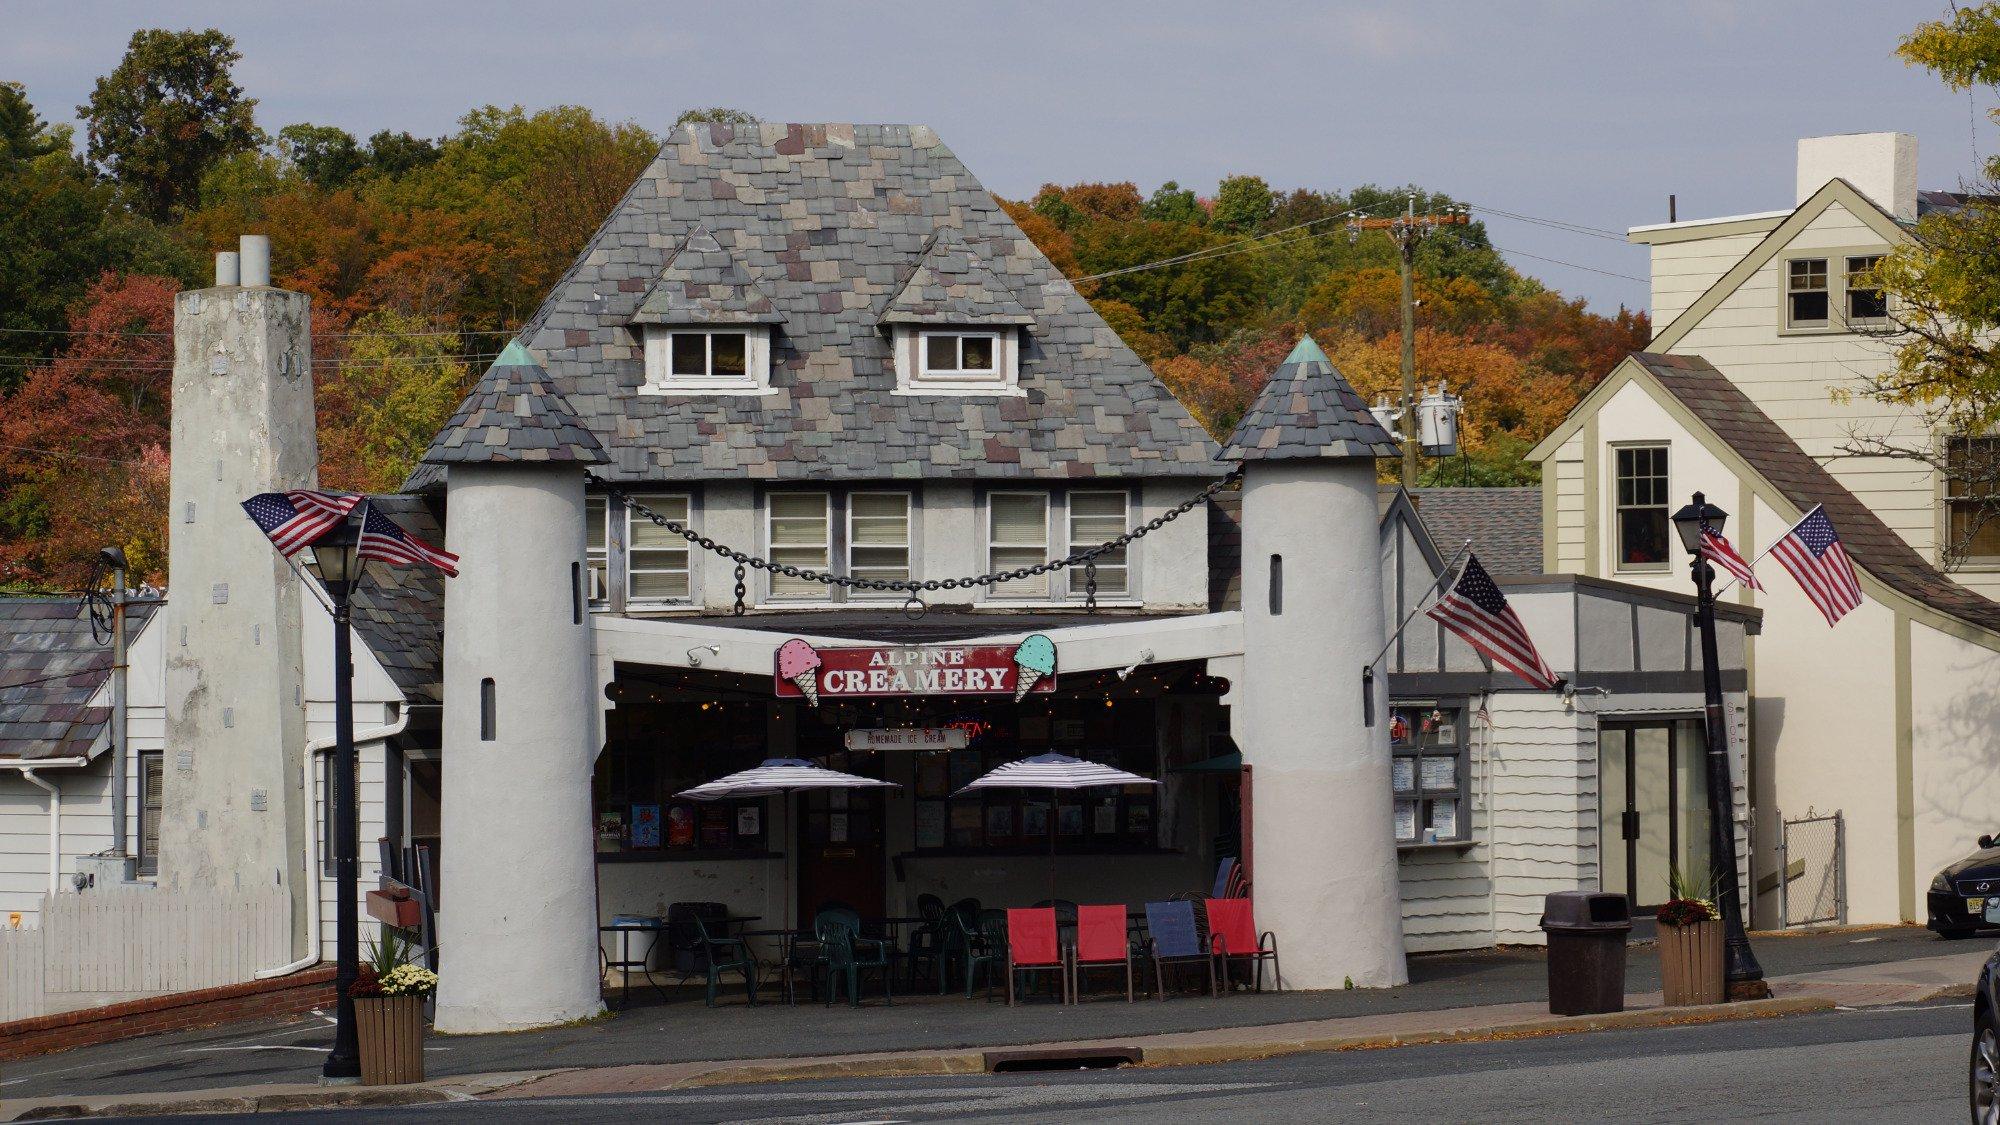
777,777
1054,771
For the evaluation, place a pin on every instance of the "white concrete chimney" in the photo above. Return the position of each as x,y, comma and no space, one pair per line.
1881,166
226,268
255,251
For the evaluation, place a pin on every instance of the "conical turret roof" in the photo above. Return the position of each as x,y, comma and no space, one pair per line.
1308,410
514,414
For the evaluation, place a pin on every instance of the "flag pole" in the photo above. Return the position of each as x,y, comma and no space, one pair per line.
1720,590
1444,579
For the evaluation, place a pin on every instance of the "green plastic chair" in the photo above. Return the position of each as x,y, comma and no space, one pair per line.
721,953
847,955
985,948
961,929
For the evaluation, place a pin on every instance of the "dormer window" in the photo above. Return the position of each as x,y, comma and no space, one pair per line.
957,360
708,360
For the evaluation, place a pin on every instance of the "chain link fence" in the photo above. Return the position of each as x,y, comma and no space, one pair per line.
1812,865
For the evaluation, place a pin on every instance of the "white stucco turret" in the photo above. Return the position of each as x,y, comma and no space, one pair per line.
1323,845
518,920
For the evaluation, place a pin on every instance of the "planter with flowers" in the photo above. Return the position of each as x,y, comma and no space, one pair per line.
1690,946
389,997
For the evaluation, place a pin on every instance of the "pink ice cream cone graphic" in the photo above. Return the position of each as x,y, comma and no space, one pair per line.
799,663
1035,658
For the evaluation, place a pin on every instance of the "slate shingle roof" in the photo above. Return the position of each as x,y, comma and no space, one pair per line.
50,667
1504,524
399,610
514,414
1307,410
830,221
951,285
1727,411
704,284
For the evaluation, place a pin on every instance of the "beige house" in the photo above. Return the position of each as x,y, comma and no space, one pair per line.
1750,393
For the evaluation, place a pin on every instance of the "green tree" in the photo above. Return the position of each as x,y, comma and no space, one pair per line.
391,388
393,154
1242,204
166,114
325,155
715,115
1172,203
23,134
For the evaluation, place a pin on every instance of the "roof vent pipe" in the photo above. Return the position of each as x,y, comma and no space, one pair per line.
256,259
226,271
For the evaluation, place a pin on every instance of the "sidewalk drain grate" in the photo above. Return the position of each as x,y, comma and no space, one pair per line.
1077,1058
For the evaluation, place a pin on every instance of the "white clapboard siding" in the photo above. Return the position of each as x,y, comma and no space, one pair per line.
369,785
1447,891
24,832
1544,808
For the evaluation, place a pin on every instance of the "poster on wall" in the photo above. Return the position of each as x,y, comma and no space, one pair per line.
1069,820
1034,820
714,828
645,826
836,828
965,825
680,826
999,824
930,824
1105,820
749,820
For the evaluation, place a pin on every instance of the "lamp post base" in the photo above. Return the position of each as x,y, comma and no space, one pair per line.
1739,990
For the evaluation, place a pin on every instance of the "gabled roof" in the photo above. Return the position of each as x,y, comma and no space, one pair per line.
1504,524
950,285
50,669
1307,410
1781,236
829,221
399,610
704,284
514,414
1795,482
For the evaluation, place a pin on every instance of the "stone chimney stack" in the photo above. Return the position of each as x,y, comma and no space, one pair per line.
233,815
1881,166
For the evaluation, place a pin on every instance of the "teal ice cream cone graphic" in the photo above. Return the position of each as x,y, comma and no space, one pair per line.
1035,658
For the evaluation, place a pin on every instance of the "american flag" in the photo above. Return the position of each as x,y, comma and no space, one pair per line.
1717,550
292,520
382,539
1812,552
1477,611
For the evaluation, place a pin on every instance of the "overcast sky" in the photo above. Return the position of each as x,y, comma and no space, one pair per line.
1588,113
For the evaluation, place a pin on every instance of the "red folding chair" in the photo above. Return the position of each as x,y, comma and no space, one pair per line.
1032,946
1233,936
1100,944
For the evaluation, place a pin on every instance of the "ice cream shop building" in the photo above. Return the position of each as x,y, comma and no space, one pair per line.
801,370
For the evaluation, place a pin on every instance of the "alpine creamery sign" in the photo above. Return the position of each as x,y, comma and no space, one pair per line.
805,672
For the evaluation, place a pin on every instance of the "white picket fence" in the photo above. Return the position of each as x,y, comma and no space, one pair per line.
122,943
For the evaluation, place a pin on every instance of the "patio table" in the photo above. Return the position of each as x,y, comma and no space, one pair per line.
625,962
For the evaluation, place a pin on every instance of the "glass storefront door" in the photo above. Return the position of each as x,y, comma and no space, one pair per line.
1652,807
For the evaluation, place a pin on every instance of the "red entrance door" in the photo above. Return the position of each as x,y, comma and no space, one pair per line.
842,857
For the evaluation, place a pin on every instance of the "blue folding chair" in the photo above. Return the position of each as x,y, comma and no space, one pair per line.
1172,938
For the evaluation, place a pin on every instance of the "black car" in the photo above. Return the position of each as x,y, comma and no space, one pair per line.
1965,897
1983,1072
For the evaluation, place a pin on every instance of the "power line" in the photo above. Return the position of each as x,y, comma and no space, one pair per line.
1554,224
1240,246
1551,261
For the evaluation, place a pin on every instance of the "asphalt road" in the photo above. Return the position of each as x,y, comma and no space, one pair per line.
1882,1066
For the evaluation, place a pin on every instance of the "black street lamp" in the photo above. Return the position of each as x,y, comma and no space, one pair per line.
1744,976
337,564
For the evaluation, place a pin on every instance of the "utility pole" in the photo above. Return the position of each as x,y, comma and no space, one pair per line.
1408,229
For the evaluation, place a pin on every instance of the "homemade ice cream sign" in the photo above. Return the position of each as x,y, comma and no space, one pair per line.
805,672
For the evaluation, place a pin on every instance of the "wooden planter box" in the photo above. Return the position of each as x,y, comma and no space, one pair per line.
1691,963
391,1030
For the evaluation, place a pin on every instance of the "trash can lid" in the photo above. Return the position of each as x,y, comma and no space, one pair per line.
1586,910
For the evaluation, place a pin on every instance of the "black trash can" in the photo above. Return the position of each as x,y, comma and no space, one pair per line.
1587,932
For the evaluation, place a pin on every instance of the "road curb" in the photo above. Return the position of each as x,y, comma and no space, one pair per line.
378,1097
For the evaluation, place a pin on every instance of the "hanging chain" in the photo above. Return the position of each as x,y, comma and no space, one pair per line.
914,607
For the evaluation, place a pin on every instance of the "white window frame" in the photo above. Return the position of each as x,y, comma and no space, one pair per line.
914,374
659,348
908,544
1018,591
819,591
659,502
1077,578
597,560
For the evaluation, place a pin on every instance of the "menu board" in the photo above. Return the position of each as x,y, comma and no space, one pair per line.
1406,820
1403,775
1444,818
1440,773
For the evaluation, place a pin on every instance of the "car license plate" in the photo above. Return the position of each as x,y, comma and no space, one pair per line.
1974,905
